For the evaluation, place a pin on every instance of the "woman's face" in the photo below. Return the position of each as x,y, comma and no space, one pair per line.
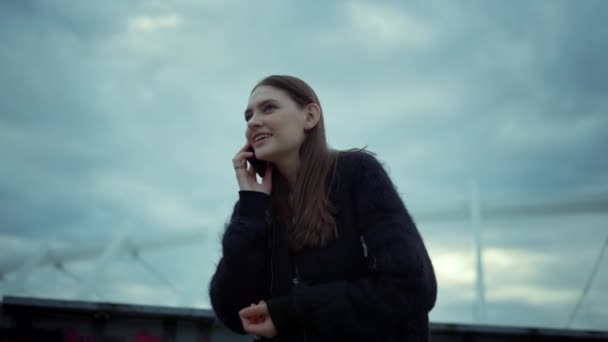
275,124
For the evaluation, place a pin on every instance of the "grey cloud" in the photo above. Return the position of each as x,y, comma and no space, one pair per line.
86,21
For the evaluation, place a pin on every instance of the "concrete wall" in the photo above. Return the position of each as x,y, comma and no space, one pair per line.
29,319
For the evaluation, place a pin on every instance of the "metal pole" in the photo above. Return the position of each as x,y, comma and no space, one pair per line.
475,211
585,290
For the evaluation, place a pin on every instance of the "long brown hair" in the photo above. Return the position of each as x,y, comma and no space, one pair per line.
309,213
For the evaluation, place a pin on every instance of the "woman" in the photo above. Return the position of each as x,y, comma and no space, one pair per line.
322,247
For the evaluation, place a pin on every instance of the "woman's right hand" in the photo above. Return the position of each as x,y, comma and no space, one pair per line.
245,174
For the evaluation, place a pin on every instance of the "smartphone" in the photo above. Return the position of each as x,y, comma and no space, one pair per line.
258,165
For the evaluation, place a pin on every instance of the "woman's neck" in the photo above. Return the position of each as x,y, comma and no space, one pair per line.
288,167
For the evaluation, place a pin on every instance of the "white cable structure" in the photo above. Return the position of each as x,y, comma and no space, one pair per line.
18,267
24,262
594,270
158,275
479,306
63,270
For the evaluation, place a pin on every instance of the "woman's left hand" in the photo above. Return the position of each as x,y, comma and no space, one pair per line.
256,320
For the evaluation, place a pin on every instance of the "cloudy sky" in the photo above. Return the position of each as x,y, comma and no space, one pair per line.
120,119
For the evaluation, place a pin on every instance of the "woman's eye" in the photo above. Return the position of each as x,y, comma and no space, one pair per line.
268,108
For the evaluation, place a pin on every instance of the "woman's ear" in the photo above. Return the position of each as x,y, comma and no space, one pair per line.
313,114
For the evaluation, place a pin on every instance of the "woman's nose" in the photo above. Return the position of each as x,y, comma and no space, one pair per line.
254,121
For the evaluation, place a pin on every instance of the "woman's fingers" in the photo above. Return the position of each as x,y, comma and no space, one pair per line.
265,328
246,174
245,147
254,315
254,327
255,310
241,158
254,319
240,165
251,170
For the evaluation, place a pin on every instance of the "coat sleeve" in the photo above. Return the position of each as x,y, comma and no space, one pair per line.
397,294
242,272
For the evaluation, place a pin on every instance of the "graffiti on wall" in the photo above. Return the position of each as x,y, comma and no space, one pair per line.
71,335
